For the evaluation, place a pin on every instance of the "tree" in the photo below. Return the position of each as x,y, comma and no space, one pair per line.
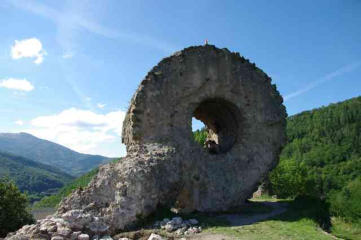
13,208
200,136
346,203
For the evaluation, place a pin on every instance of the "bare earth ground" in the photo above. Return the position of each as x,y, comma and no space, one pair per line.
240,219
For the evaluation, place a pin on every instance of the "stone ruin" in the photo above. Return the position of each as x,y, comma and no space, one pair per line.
164,166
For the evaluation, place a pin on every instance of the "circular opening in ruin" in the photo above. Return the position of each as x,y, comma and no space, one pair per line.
221,119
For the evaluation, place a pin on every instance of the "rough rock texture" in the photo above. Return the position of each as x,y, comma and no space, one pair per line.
164,166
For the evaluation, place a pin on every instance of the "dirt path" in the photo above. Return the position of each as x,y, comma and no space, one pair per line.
209,236
242,219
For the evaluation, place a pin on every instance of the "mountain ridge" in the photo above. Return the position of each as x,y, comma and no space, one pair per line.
49,153
35,178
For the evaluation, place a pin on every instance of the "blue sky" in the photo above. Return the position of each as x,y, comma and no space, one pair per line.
69,68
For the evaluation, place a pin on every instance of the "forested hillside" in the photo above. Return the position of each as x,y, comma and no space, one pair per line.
46,152
323,154
35,178
80,182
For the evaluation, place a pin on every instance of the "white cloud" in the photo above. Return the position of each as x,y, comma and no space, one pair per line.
326,78
68,55
28,48
82,130
19,122
17,84
101,105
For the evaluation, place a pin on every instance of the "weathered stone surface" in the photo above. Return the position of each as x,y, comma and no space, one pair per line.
57,238
75,235
63,231
77,218
164,166
154,236
83,237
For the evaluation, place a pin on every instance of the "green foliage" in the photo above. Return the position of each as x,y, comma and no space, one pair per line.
291,179
313,208
346,230
347,202
322,156
13,208
54,200
200,136
35,178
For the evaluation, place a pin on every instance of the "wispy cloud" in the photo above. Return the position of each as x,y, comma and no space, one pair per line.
19,122
17,84
326,78
68,55
69,21
101,105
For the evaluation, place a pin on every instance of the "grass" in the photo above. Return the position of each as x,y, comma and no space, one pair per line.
274,229
346,230
300,221
304,219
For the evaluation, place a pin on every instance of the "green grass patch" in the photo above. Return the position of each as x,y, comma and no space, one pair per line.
302,220
346,230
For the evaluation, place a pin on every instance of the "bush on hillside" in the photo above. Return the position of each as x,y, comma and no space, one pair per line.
291,179
347,202
13,208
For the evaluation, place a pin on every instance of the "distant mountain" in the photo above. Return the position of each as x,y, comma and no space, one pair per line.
49,153
35,178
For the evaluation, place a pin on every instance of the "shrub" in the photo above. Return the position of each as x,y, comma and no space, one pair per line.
13,208
347,202
291,179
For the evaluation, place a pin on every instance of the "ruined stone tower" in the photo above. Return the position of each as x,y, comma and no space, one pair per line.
164,166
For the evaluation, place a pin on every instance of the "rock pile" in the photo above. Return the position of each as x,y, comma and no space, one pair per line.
179,226
72,225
